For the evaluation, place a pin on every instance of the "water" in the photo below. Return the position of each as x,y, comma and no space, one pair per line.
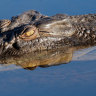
77,78
10,8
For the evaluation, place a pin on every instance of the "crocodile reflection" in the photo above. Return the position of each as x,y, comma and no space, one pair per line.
42,58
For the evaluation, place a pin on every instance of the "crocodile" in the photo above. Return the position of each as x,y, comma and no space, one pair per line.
31,31
19,20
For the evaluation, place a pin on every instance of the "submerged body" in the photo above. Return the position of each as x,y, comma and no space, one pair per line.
31,32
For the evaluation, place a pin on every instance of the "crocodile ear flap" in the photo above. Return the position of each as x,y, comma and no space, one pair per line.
29,33
58,27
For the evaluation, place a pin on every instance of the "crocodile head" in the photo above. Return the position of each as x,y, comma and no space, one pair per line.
44,34
21,38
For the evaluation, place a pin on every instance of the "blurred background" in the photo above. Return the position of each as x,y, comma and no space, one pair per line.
10,8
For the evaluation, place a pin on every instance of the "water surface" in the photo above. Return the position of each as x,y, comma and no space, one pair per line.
76,78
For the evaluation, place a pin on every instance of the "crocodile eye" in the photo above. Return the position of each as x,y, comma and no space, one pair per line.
29,33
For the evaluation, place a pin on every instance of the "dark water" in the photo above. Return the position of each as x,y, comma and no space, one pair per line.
78,78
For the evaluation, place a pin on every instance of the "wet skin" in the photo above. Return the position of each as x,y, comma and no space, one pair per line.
37,33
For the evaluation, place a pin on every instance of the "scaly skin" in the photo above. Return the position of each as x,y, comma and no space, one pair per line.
22,19
37,32
3,24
